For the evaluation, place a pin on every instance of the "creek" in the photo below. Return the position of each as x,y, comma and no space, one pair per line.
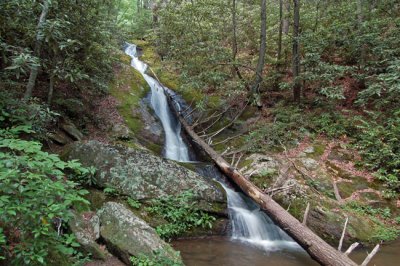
254,238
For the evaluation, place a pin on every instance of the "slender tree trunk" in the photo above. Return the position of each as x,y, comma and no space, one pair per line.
261,57
312,243
286,17
316,23
51,89
296,52
38,46
235,69
279,54
360,19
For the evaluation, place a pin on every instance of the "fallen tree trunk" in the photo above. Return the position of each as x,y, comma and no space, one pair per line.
312,243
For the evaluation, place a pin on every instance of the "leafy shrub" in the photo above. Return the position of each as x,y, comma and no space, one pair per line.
134,203
35,196
33,113
379,144
181,213
158,258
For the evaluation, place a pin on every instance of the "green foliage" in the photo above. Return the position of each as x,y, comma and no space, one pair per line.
180,212
368,210
35,196
134,203
381,231
33,113
110,191
158,258
78,57
379,144
386,234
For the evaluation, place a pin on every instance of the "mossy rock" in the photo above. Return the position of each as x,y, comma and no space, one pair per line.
142,176
127,235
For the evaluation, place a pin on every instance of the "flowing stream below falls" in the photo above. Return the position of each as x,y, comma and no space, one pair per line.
254,238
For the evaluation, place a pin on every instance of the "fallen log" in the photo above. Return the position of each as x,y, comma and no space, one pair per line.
317,248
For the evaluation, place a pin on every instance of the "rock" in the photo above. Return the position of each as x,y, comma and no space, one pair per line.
309,163
71,130
127,235
153,129
86,227
309,150
121,131
59,137
261,163
142,176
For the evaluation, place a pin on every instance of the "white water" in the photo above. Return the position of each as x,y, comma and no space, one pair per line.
253,226
175,147
249,223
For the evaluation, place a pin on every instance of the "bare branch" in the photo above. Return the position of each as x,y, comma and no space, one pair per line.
343,233
306,214
351,248
370,255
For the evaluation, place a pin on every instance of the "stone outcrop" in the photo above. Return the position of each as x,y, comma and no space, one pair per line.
127,235
143,176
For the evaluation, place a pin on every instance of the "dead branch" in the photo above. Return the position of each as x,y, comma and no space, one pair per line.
370,255
213,134
228,139
280,189
343,233
306,214
351,248
337,194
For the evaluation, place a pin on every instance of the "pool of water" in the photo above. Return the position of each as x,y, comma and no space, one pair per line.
220,251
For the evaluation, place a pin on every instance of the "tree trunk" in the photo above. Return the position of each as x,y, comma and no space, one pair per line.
296,51
360,19
286,17
261,57
51,89
279,53
38,46
235,69
312,243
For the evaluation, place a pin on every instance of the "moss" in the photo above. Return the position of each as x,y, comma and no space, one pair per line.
129,88
96,198
319,150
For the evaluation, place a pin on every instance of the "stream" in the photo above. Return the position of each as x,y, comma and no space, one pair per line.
254,238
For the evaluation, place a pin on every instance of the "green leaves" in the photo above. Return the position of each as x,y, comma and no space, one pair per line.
181,212
33,195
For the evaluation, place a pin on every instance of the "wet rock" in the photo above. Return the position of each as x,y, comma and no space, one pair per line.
71,130
143,176
152,129
127,235
86,227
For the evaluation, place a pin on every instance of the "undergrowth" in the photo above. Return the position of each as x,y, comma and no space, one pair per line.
180,212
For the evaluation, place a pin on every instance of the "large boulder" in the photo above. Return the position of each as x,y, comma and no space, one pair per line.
86,227
142,175
127,235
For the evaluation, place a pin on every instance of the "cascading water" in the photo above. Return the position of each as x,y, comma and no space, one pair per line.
249,224
175,148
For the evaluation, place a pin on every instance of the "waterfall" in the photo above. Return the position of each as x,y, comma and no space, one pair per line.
175,147
249,223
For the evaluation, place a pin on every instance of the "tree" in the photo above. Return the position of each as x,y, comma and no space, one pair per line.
38,46
279,53
261,56
296,51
